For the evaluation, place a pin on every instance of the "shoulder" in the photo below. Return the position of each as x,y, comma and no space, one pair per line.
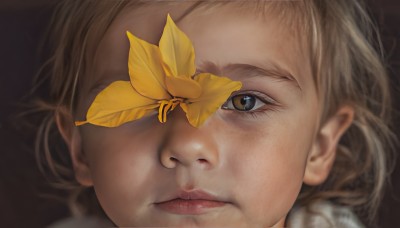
81,222
323,214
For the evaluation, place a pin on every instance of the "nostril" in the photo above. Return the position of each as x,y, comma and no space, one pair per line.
201,160
173,159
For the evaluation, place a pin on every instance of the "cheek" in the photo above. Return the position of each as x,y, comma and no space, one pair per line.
268,165
270,179
123,163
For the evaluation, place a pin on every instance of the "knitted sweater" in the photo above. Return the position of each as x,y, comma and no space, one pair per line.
323,214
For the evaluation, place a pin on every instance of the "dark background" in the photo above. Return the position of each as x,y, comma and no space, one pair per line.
24,200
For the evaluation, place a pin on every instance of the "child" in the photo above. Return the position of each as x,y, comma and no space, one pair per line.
277,116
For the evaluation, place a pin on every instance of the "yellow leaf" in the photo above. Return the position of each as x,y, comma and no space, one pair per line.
177,51
183,87
145,69
117,104
160,79
215,91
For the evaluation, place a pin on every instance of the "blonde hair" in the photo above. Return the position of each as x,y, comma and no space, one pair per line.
347,69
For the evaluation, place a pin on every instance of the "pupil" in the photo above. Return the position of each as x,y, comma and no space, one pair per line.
244,102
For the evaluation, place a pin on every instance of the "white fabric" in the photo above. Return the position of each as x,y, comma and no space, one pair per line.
323,215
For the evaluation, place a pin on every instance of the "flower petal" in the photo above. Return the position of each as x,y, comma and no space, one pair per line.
145,69
215,91
117,104
183,87
177,51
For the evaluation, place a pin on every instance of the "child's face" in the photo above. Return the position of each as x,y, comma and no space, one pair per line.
250,164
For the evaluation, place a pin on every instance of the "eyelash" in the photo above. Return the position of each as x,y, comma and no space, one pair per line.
268,104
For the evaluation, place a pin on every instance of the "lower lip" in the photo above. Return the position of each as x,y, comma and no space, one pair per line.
189,207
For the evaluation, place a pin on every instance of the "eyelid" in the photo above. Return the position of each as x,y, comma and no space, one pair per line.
262,96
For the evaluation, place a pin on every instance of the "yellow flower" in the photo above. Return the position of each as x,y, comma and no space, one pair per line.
161,78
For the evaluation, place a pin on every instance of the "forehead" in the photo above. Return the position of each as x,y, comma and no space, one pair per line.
225,36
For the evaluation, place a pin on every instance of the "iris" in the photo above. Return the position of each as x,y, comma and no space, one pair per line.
244,102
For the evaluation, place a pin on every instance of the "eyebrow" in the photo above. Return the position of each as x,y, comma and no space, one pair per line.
271,70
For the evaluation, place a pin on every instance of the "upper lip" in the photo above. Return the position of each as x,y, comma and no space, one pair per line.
193,195
196,195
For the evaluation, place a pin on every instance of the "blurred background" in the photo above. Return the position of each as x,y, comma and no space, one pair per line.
25,196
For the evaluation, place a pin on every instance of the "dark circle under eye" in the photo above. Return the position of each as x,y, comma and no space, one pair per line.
243,102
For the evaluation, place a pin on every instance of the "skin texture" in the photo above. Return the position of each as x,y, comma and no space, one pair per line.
256,161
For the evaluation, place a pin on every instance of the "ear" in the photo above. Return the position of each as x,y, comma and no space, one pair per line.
323,152
72,138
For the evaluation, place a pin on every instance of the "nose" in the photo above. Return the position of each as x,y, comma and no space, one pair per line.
185,145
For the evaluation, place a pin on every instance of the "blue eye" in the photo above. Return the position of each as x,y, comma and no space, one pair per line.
243,103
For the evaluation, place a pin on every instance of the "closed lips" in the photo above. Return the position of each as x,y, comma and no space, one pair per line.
191,203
